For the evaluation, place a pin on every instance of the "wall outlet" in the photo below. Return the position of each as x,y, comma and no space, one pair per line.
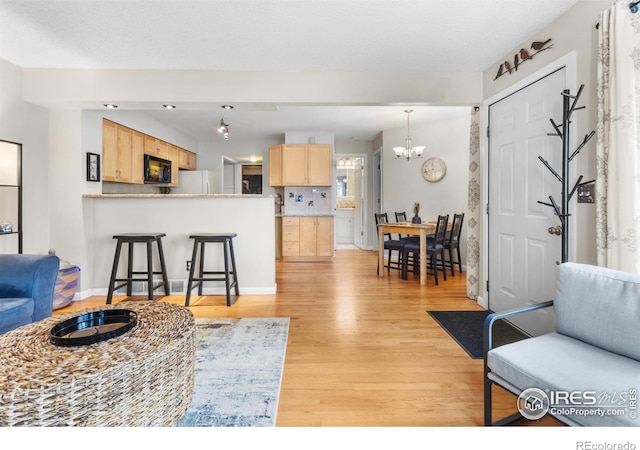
188,265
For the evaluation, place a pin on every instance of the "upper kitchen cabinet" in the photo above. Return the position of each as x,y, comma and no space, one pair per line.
137,157
117,153
300,165
156,147
187,159
174,157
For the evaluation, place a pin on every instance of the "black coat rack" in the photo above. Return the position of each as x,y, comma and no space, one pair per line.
562,131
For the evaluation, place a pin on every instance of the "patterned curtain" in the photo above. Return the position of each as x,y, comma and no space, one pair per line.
618,139
472,217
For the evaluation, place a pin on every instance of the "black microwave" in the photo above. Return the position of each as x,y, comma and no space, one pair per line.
156,170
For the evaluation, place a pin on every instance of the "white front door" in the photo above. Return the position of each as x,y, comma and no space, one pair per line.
523,255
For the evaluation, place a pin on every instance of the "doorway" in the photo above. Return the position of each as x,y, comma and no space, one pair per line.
350,201
522,252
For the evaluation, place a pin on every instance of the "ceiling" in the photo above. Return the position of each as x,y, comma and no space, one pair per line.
410,36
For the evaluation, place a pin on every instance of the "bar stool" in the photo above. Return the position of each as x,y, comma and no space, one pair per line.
199,241
138,238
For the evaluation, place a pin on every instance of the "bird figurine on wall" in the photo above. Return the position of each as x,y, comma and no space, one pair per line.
516,61
538,46
500,69
507,66
524,55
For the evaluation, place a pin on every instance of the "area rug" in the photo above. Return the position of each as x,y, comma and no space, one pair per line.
467,328
238,372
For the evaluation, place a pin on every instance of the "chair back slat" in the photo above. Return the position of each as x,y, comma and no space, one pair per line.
401,217
380,219
441,229
456,229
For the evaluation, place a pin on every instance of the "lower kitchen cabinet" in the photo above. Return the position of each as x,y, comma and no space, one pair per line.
307,238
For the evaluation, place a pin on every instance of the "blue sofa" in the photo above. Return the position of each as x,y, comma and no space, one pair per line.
587,371
27,284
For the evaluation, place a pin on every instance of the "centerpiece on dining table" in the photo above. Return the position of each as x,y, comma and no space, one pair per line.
416,209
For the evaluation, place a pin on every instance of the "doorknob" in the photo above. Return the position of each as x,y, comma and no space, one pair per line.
557,230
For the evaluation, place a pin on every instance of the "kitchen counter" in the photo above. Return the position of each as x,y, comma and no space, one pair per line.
307,215
178,196
179,216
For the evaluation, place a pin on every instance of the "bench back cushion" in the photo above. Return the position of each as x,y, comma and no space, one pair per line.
599,306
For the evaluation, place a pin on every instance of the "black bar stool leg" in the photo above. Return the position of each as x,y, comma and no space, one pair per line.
114,270
226,273
201,266
163,267
149,271
129,268
191,272
233,266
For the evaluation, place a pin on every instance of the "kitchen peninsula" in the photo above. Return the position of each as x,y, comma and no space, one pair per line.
179,216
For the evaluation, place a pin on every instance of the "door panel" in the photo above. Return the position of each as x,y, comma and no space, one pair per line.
522,253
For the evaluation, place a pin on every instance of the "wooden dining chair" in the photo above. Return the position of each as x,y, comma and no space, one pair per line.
452,242
402,217
435,251
390,244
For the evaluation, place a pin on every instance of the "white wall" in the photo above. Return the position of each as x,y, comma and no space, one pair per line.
402,181
28,125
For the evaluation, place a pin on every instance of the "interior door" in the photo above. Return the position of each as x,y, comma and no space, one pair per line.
523,254
358,196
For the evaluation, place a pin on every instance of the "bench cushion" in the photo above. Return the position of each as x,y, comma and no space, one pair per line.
599,306
555,362
15,312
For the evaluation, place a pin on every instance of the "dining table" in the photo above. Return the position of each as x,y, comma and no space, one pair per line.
406,228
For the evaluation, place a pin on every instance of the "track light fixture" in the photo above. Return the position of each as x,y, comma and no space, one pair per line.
224,129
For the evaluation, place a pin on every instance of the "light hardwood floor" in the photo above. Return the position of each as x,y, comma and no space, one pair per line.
362,350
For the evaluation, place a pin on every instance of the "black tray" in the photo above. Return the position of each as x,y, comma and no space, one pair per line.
93,327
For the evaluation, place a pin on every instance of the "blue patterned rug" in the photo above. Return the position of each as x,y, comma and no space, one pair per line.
238,372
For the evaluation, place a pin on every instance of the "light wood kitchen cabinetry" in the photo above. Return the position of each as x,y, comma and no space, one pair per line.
116,152
300,165
187,160
123,151
307,238
174,157
156,147
137,157
275,165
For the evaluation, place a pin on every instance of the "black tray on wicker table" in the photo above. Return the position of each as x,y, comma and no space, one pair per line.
93,327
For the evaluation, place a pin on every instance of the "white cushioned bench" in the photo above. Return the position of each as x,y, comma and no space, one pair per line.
593,355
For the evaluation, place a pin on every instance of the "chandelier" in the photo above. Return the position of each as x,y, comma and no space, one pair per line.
224,129
408,151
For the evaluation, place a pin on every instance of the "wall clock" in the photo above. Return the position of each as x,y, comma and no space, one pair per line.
433,169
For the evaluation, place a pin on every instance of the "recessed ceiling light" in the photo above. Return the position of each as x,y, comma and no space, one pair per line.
110,105
227,107
169,106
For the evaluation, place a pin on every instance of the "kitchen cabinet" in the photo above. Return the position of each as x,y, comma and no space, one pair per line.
187,160
344,226
137,157
156,147
116,152
301,165
174,157
123,151
307,238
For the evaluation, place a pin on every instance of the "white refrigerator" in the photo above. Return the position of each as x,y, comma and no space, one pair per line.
197,182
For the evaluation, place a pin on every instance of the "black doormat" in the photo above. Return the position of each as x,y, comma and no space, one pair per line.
466,328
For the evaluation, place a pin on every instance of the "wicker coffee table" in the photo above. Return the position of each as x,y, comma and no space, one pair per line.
142,378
